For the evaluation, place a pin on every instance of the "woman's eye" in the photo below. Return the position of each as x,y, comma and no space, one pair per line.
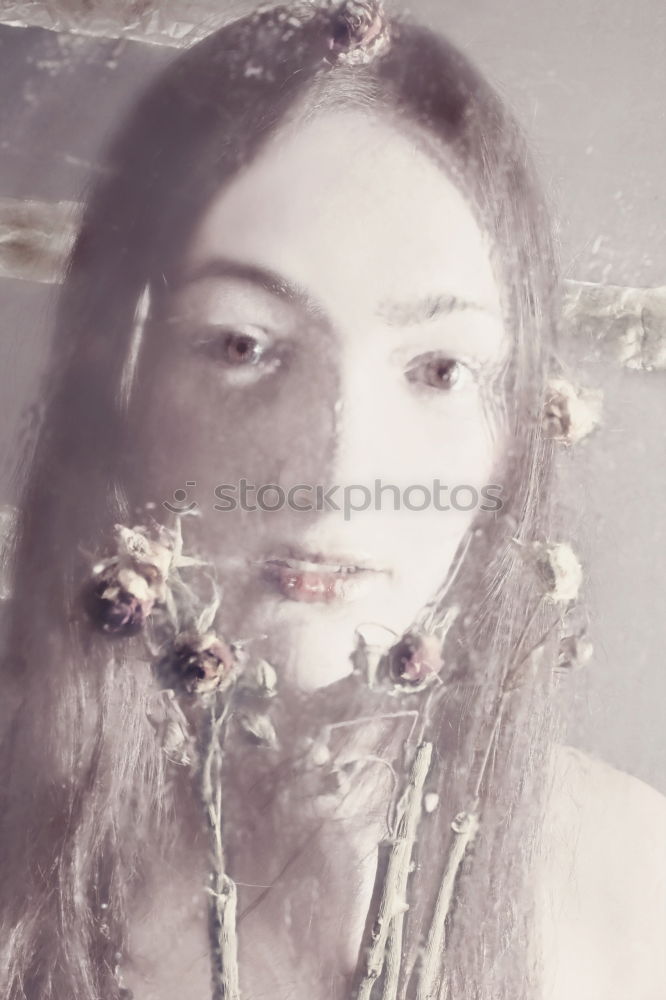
438,372
243,356
232,347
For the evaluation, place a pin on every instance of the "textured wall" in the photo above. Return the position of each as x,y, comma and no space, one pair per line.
587,80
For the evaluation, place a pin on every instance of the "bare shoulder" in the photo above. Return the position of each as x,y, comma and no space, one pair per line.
602,883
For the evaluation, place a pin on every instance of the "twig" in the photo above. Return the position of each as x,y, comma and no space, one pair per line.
222,912
394,957
465,827
392,901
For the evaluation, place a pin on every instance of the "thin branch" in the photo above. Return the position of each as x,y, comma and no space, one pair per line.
222,912
465,827
394,957
392,901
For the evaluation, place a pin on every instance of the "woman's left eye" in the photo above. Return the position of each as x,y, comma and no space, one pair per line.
438,372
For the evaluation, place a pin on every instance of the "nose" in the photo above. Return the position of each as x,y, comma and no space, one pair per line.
360,443
332,425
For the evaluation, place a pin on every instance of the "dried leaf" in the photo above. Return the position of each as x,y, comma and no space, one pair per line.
259,727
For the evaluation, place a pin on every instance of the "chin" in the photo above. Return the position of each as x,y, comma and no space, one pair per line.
312,643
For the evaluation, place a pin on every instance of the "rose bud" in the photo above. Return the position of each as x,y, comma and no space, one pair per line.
198,663
415,659
118,600
359,31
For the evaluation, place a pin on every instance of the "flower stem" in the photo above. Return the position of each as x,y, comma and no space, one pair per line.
222,891
392,902
393,958
465,827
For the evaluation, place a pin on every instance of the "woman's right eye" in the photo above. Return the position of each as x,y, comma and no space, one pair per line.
233,347
243,355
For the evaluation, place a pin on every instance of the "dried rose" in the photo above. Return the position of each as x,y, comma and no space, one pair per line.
415,659
125,587
118,600
570,414
198,663
359,31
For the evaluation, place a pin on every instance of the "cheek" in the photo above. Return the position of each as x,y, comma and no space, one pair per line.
452,438
191,426
452,458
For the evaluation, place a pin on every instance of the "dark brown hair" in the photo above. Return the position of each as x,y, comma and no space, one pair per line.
84,792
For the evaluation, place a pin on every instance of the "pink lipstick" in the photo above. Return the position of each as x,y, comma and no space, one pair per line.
315,580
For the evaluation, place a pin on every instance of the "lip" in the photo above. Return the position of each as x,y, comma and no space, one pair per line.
339,561
321,577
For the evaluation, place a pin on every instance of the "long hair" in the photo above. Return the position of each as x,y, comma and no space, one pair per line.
85,795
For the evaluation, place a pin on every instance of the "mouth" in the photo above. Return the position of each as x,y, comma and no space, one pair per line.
321,577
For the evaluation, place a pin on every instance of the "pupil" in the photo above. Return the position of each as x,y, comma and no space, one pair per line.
444,370
242,348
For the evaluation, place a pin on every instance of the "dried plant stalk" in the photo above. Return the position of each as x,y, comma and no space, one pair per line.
392,902
222,912
465,827
394,958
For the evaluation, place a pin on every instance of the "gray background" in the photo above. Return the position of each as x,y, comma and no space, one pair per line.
587,80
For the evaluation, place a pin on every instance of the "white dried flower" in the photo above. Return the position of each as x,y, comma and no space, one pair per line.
150,557
570,414
575,651
557,567
125,586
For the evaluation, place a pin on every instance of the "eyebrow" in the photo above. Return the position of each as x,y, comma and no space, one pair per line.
252,274
428,308
396,313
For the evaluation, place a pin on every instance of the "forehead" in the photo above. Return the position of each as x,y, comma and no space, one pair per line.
347,202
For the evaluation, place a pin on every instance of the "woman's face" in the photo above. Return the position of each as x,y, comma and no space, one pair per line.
332,326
